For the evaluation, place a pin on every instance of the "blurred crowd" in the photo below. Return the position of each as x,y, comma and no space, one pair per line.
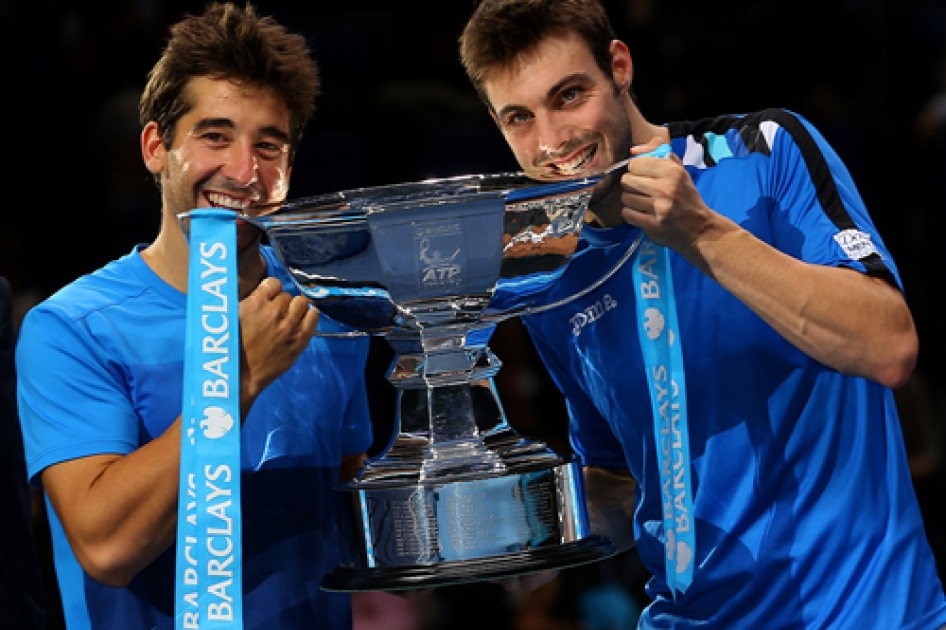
396,107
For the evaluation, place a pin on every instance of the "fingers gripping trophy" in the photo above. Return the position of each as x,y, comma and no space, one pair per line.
432,267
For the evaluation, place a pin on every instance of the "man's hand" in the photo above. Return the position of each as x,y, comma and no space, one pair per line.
275,328
660,198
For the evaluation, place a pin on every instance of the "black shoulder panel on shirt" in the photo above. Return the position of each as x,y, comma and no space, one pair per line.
749,128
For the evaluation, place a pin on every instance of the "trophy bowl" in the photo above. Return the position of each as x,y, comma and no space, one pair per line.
457,495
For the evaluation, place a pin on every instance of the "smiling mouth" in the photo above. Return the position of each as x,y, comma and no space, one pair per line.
577,162
219,200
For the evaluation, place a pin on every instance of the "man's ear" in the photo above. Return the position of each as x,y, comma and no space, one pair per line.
622,66
153,151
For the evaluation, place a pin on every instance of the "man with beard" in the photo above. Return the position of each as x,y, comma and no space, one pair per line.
100,363
735,376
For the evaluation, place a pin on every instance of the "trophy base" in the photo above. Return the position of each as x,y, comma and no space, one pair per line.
349,579
399,535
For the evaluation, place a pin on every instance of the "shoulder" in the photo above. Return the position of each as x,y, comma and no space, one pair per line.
117,290
761,121
765,132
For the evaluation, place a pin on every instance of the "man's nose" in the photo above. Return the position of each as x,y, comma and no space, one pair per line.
242,165
552,134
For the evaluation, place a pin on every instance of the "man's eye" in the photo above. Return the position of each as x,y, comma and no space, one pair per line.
272,150
514,120
571,94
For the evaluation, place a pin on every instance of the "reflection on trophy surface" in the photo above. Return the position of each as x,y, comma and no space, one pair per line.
432,266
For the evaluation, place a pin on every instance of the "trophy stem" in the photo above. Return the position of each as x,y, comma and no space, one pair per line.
456,447
449,420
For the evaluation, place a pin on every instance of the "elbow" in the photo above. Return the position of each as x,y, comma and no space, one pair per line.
898,361
890,356
106,566
889,346
112,579
898,374
110,576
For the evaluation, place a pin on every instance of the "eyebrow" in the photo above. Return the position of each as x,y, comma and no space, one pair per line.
549,95
213,123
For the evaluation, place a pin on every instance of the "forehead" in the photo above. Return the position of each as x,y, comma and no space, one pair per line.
249,108
529,77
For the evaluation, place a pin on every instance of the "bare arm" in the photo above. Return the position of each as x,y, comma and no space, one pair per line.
842,318
849,321
120,511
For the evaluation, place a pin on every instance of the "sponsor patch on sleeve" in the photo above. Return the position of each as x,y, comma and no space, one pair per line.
856,244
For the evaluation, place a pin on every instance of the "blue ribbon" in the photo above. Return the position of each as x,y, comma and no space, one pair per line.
663,359
209,583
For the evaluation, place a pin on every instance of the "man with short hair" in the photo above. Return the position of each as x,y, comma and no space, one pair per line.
101,362
739,367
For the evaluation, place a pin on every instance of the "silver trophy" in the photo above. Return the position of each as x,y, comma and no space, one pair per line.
432,267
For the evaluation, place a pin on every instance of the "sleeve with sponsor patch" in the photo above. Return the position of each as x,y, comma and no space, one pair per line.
818,213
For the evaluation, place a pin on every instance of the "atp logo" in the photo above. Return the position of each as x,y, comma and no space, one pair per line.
438,247
216,423
654,323
439,269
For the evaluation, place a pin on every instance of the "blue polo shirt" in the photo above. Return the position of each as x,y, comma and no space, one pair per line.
804,508
100,368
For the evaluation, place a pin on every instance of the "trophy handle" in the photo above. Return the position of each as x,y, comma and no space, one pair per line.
591,287
348,334
662,151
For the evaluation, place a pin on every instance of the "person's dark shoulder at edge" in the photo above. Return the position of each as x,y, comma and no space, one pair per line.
21,590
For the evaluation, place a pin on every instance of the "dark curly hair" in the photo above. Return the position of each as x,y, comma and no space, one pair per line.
227,42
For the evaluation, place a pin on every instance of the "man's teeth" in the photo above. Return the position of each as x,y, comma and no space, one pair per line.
223,201
576,163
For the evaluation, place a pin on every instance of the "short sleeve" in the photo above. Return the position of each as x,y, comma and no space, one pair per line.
819,215
72,399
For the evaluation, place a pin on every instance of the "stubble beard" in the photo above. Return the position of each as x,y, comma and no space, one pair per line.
605,205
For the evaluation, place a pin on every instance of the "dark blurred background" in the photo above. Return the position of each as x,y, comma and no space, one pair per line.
396,106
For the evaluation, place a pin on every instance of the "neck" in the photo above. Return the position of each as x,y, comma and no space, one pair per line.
168,256
605,207
605,210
